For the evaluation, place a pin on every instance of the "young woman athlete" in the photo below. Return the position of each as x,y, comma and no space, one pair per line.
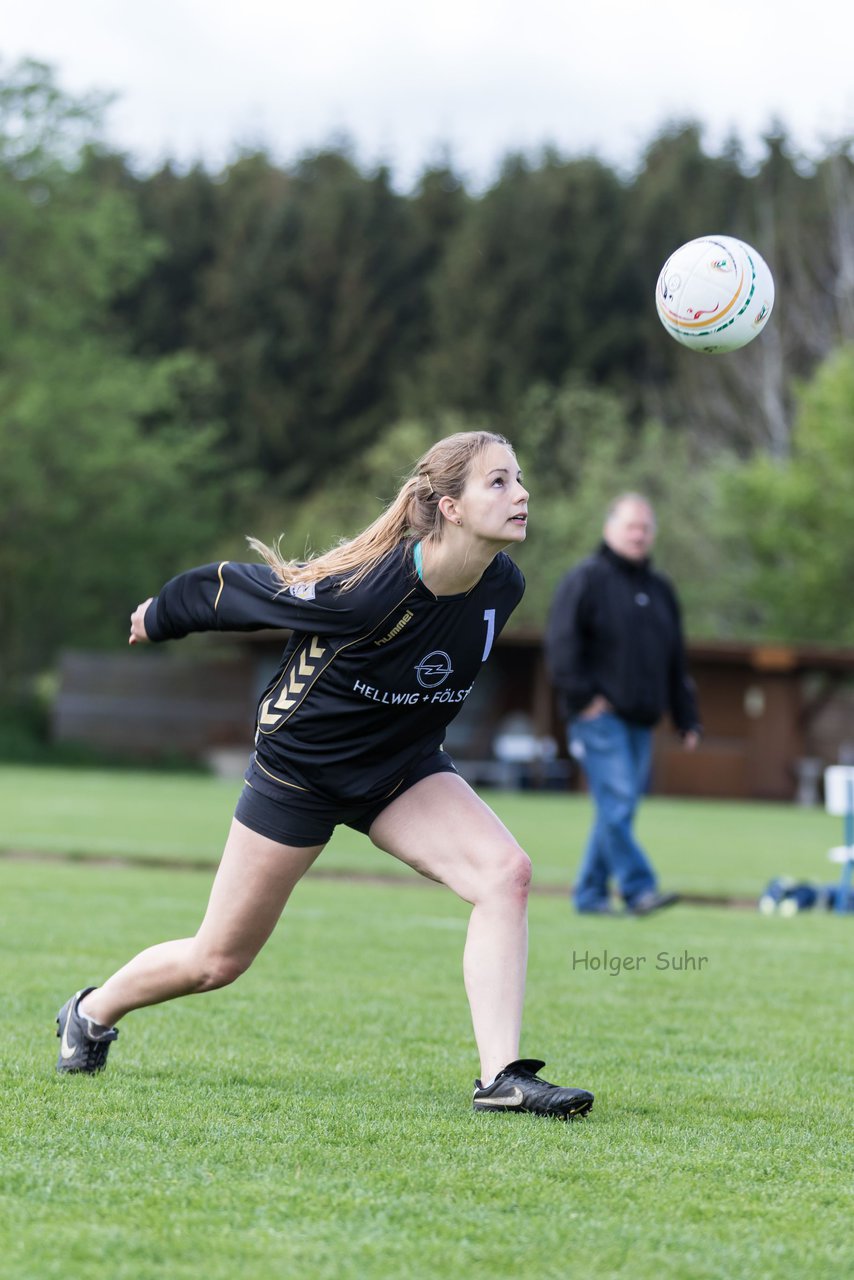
389,631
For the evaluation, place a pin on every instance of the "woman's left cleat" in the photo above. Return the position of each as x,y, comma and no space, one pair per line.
79,1048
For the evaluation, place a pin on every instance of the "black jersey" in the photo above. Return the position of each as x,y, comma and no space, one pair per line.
371,676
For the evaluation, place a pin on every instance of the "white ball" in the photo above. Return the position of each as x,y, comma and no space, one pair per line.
714,294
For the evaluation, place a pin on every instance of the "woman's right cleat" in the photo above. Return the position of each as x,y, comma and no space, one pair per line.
519,1088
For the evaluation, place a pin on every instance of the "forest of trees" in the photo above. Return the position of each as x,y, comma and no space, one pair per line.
187,357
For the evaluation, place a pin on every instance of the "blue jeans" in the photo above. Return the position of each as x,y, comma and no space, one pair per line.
615,756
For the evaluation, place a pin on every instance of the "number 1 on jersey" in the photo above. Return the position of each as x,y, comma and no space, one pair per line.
489,619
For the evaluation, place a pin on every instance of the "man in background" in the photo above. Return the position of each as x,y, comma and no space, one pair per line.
615,651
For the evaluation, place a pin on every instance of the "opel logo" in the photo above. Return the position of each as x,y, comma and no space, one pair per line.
434,669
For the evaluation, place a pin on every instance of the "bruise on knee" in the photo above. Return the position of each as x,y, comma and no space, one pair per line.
510,874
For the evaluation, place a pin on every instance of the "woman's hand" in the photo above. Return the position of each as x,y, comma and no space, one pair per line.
138,633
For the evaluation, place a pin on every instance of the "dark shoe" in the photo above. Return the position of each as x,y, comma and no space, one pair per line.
598,909
519,1088
651,901
79,1049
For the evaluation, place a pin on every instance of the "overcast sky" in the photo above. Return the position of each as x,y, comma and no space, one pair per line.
197,79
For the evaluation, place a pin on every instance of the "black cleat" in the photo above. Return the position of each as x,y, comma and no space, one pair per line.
519,1088
79,1049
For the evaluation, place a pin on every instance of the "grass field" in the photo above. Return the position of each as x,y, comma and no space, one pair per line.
714,848
313,1120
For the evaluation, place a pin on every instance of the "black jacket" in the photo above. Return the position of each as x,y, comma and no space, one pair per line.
615,630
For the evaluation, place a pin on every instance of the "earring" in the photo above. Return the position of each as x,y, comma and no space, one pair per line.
459,522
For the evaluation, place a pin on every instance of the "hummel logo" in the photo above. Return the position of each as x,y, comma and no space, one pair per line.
397,628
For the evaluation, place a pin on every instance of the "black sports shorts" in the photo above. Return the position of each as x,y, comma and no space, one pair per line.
302,819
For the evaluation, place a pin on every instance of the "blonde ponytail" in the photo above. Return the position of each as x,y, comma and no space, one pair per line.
412,515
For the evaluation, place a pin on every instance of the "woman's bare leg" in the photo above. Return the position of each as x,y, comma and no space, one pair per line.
442,829
254,881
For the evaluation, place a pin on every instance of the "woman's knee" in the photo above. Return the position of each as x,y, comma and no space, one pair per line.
215,969
509,872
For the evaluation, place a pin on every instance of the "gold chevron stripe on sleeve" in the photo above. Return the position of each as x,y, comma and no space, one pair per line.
292,687
265,716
